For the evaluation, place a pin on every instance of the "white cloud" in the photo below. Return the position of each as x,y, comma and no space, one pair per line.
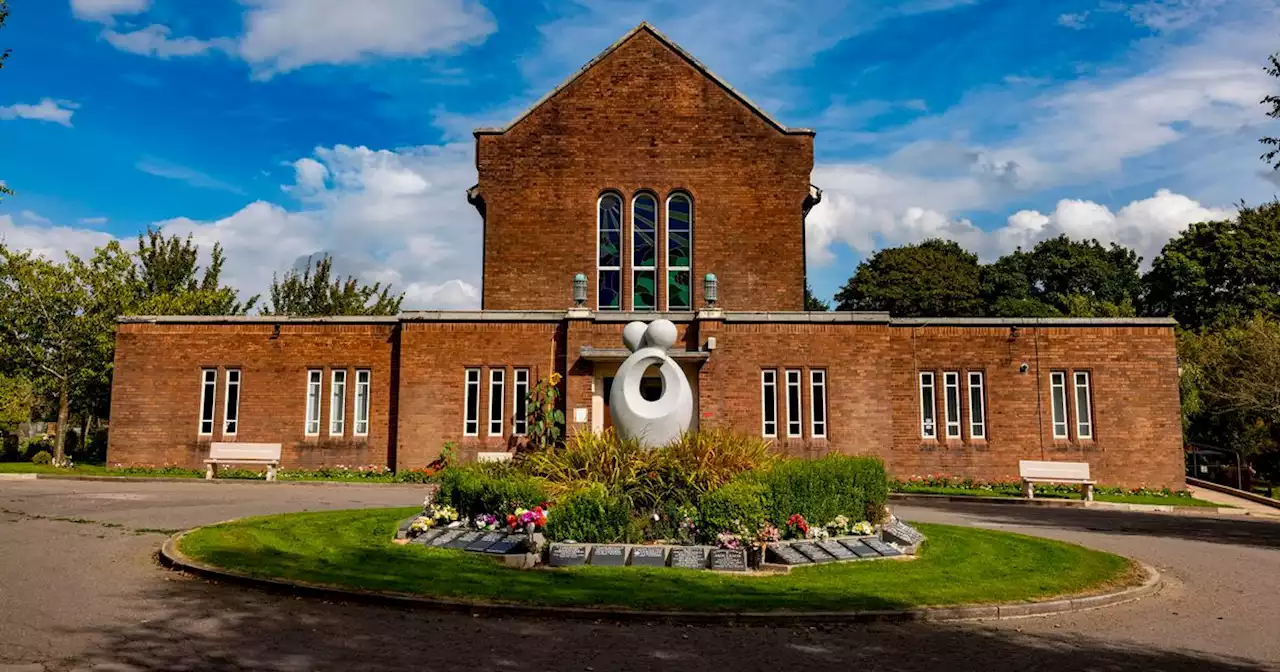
284,35
1075,21
105,11
195,178
92,221
155,41
35,218
51,242
48,109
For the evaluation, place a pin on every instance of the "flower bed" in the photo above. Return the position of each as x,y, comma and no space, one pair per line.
943,484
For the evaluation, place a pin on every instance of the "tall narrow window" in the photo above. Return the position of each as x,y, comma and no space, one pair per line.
644,253
928,414
679,252
1058,393
338,402
208,387
951,385
520,401
313,402
231,405
818,403
471,415
769,402
609,253
497,395
1084,406
977,406
794,425
362,402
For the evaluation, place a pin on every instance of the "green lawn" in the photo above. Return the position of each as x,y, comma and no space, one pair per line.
353,549
1176,500
178,472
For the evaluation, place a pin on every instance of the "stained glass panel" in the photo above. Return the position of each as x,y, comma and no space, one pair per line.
678,294
679,252
610,290
644,227
645,296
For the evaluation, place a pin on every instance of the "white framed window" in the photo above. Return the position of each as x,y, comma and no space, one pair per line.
817,403
471,413
1084,406
363,379
338,402
520,402
609,252
208,388
951,389
679,252
644,252
977,406
1058,395
497,397
231,404
794,424
769,402
928,412
313,401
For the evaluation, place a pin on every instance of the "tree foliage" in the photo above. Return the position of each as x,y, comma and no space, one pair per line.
314,292
813,303
935,278
169,280
1272,155
1232,381
17,397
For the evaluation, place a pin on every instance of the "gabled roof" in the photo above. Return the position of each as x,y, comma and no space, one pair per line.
645,26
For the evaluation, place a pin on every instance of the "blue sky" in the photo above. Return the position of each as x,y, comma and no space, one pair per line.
281,128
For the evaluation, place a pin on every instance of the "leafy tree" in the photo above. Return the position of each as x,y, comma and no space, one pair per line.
935,278
813,303
17,396
4,54
1233,380
312,292
1272,156
1216,274
1007,289
167,284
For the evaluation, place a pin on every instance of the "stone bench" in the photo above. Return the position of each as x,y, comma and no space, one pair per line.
1033,471
259,454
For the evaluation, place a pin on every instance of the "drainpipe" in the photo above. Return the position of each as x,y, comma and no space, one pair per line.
1039,394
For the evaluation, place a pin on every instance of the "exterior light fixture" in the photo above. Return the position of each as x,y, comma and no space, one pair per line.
580,290
710,289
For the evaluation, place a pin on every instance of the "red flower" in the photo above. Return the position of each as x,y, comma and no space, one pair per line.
511,521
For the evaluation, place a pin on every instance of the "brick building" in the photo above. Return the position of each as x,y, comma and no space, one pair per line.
646,173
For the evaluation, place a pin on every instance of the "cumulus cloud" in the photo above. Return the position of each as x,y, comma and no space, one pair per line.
92,221
47,240
156,40
105,11
48,109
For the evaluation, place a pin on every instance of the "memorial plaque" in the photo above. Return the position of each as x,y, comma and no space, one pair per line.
689,557
510,543
464,540
787,555
446,537
835,548
813,552
426,537
729,559
609,556
565,555
902,533
484,542
649,556
882,548
859,549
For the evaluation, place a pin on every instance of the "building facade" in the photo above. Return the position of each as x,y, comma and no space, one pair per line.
645,173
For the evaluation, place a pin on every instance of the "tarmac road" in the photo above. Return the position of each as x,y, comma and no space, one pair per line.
80,589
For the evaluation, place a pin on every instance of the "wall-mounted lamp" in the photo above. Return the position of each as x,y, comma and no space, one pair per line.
710,289
1013,334
1024,367
580,290
275,332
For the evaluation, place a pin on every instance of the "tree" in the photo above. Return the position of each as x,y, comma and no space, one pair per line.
935,278
44,314
311,292
1220,273
166,279
1234,380
1272,156
813,303
17,396
4,54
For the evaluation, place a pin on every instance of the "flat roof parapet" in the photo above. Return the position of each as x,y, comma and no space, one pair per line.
1033,322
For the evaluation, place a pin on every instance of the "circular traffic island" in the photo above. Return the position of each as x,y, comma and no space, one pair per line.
959,572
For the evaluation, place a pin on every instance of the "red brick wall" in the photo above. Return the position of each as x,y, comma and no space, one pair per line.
156,392
644,119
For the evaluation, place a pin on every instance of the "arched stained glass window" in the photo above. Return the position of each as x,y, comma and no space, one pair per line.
679,252
609,252
644,253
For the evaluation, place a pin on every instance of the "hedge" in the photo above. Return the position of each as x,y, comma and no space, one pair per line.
591,515
822,489
491,488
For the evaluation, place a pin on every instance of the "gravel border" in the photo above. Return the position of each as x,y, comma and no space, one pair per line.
171,557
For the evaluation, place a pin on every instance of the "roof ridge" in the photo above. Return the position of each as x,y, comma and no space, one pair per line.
670,44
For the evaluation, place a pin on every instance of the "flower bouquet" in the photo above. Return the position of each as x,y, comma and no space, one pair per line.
528,520
486,522
442,514
420,525
864,528
797,526
839,526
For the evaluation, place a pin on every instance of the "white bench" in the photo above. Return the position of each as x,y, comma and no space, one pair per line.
1033,472
243,453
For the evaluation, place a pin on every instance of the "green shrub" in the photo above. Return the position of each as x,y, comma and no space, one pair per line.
822,489
29,447
735,507
591,515
701,461
42,457
489,487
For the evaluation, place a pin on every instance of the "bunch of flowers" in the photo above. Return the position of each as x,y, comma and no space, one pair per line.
687,528
819,533
486,521
863,528
839,526
523,518
768,534
442,514
420,525
729,540
797,526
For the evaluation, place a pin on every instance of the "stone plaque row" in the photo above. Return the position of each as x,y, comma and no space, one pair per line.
472,540
829,550
619,555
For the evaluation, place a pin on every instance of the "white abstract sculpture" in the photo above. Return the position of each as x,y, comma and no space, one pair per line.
653,423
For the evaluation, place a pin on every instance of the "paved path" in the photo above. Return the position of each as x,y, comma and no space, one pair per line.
79,589
1252,507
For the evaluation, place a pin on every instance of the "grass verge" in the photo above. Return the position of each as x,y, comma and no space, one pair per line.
1157,500
326,474
353,549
